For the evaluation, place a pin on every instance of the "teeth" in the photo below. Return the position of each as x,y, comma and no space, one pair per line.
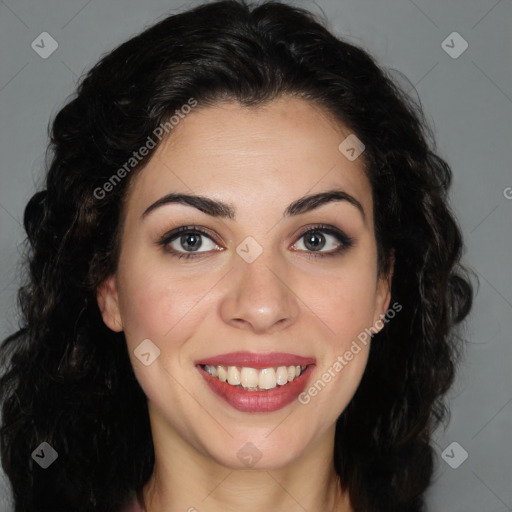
222,374
233,376
250,378
253,379
282,375
268,378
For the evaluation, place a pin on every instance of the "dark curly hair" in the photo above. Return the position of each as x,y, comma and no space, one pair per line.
68,379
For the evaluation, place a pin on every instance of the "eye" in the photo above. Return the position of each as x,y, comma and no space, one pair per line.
186,242
318,241
325,240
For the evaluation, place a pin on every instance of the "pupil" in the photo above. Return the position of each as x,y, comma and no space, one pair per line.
315,241
193,240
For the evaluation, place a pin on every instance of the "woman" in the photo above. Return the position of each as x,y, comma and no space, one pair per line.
244,280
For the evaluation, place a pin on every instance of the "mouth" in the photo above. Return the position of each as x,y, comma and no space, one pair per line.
257,382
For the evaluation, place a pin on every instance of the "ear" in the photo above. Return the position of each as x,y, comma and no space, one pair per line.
108,302
383,294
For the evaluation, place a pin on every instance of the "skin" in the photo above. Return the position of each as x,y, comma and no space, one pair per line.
259,160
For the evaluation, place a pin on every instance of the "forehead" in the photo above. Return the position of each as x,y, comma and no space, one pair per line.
255,157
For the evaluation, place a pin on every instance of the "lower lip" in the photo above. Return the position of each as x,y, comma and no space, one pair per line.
258,401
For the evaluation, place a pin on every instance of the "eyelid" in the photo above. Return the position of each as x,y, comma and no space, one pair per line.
174,233
324,228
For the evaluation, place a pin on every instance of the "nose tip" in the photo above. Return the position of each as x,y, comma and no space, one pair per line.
259,300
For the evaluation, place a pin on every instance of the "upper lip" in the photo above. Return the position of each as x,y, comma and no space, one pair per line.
257,361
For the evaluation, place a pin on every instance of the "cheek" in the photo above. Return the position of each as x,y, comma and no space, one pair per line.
346,305
155,305
345,301
152,302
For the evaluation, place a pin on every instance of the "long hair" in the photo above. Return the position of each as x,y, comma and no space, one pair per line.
68,379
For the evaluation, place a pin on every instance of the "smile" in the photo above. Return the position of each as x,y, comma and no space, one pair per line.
252,382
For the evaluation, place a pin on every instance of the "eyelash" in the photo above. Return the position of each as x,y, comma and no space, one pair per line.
344,240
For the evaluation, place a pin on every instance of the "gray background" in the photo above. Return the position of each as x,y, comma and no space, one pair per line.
468,100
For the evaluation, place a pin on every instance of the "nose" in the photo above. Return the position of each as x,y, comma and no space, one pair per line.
259,297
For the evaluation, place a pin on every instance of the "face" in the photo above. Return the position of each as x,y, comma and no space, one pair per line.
249,284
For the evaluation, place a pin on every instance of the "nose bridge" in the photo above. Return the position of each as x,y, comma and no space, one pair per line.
258,297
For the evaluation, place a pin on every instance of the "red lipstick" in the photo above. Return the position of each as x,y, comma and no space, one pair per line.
257,361
257,401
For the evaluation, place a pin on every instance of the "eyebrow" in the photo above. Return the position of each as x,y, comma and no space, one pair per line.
217,208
